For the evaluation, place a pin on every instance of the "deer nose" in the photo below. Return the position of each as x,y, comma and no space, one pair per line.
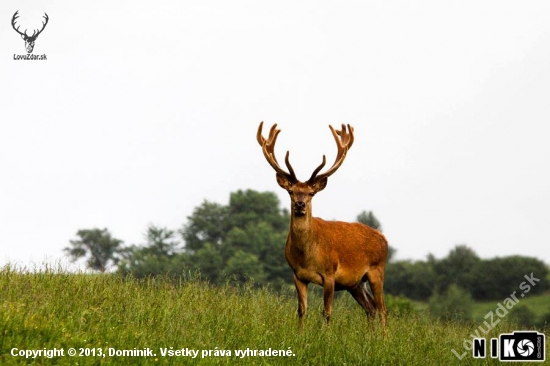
301,205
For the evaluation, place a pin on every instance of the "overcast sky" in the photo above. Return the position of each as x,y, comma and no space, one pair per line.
144,109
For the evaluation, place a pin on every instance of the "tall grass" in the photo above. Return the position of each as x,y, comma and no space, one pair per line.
54,309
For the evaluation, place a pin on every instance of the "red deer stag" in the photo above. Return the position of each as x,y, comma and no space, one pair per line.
333,254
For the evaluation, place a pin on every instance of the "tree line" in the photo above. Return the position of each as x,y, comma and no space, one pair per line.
484,279
244,241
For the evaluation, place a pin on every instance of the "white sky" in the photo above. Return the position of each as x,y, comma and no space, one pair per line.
144,109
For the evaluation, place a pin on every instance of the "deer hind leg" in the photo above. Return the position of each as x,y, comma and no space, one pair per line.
301,291
376,281
363,298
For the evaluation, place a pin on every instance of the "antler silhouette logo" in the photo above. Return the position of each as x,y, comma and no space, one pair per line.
29,40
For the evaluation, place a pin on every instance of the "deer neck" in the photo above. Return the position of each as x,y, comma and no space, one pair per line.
301,228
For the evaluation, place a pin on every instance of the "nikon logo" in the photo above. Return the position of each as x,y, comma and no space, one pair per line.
518,346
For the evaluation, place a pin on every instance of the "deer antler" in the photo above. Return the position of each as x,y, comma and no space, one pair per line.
268,147
344,140
43,26
34,33
15,16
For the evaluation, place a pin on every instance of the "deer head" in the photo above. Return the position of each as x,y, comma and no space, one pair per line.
301,193
29,40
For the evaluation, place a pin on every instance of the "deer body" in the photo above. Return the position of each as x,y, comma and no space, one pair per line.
333,254
339,250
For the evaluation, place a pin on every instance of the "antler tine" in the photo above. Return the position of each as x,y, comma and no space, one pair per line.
347,138
268,148
15,16
287,163
318,169
259,136
270,142
344,139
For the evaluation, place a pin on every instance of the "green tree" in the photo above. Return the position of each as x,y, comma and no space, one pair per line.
243,266
98,246
461,267
415,280
208,261
369,219
217,238
249,207
258,227
207,224
499,277
159,255
267,244
161,241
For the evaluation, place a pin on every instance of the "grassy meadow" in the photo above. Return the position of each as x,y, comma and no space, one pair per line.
93,313
539,304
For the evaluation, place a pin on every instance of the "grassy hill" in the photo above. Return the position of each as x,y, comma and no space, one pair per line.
98,314
539,305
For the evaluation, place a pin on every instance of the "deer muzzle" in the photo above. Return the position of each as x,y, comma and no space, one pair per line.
300,207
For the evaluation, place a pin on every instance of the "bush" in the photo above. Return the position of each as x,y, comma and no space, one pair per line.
455,304
523,316
398,305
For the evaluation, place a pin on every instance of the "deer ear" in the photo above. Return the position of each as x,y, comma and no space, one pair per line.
319,184
23,36
283,181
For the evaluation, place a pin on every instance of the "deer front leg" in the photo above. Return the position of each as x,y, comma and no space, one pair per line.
328,295
301,290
